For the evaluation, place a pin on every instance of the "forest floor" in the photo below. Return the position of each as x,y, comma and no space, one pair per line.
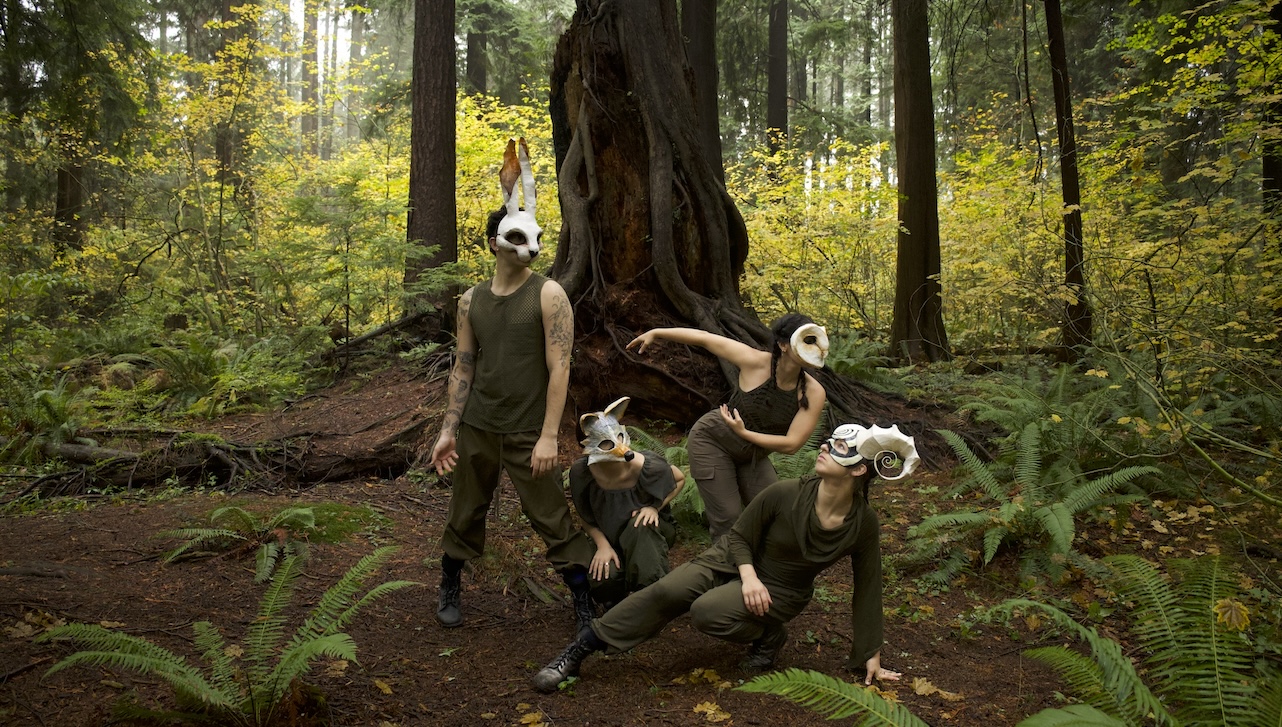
94,560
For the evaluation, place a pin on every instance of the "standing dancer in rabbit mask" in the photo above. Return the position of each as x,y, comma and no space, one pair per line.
507,392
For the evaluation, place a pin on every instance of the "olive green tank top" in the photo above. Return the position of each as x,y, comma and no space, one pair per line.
509,388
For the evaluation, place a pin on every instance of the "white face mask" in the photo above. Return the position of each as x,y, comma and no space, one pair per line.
606,439
518,231
810,342
885,448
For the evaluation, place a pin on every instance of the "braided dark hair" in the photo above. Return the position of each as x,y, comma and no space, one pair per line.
782,329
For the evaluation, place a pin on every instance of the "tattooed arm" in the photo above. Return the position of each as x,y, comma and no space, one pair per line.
558,341
444,454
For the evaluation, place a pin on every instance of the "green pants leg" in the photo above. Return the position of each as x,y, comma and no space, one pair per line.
482,455
644,613
728,471
644,553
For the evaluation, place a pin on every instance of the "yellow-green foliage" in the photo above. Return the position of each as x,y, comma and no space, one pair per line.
821,228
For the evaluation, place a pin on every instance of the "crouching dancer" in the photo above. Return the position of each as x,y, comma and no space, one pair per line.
761,575
622,496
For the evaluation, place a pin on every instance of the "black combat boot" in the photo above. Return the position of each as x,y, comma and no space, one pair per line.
449,609
761,655
567,664
581,591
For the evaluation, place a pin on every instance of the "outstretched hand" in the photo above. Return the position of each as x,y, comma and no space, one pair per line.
642,342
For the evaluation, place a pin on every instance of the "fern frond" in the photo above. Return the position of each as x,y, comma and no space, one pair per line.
186,681
264,633
1086,681
1089,494
1028,459
299,519
1267,708
792,466
298,658
1116,669
993,538
237,518
961,519
1074,715
213,649
265,561
335,606
977,468
216,538
832,698
1211,672
1057,521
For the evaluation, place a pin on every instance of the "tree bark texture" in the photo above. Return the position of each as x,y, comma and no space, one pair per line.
311,64
432,139
777,75
699,27
649,235
1076,331
1272,186
917,332
356,50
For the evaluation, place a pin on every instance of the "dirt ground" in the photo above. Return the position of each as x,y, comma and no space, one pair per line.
98,564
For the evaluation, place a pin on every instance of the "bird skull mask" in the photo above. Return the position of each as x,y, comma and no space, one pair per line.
607,440
810,342
886,449
518,231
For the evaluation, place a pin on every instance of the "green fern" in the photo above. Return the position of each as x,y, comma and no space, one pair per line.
251,688
833,698
276,537
1024,505
1200,669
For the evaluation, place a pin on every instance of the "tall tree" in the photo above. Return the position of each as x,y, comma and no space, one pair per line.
433,209
355,52
477,17
917,332
311,68
777,75
1076,331
649,235
1273,123
699,28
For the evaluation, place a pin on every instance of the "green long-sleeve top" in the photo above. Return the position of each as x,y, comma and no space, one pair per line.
780,536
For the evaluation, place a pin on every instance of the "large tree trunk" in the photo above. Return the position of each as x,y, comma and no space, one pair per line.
917,332
649,235
1076,332
1272,145
477,40
311,66
432,137
777,75
699,27
354,53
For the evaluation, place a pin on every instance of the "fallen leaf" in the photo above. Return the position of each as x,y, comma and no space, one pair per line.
20,630
336,668
488,715
1159,527
533,718
1232,613
923,687
235,651
712,712
111,624
382,686
112,684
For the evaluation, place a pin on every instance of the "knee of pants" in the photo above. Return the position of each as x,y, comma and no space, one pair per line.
708,619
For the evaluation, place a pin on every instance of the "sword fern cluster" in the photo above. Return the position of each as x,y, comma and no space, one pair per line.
252,683
1019,505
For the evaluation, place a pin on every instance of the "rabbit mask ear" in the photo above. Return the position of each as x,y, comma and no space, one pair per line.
606,439
887,449
811,344
518,231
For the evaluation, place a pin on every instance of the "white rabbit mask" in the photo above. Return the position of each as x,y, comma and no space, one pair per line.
518,231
